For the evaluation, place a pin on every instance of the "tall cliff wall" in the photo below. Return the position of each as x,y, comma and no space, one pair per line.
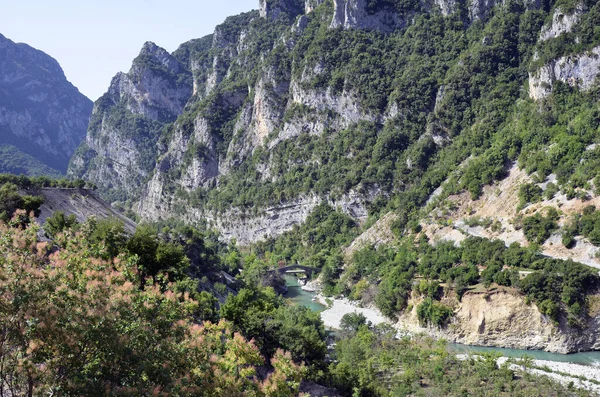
127,121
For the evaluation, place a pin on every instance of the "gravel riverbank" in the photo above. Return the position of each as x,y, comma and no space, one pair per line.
581,376
333,314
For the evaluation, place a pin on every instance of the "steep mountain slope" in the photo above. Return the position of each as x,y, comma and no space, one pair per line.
300,103
43,117
366,106
82,203
127,121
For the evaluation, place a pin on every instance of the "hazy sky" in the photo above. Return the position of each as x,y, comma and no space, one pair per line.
95,39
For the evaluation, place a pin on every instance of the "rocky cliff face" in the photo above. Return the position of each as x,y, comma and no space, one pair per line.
569,54
561,23
271,114
265,116
353,14
501,317
273,9
41,113
126,122
578,70
150,89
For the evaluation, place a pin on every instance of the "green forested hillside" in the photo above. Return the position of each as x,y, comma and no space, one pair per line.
14,161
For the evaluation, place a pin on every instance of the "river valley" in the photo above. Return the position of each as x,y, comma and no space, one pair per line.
301,297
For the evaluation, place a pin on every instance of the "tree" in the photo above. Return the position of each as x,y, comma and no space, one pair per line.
431,312
58,222
11,200
301,332
351,322
108,233
251,311
156,256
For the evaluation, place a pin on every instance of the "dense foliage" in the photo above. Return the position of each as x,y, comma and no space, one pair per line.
78,320
538,228
37,182
557,287
11,201
14,161
74,323
263,317
373,363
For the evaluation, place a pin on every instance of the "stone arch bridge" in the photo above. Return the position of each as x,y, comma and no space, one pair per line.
299,269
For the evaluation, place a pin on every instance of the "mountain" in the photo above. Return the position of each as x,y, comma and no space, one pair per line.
43,117
353,103
127,122
430,157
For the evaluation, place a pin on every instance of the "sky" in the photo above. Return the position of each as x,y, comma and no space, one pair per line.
95,39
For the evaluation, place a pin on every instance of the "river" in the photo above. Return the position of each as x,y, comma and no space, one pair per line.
300,297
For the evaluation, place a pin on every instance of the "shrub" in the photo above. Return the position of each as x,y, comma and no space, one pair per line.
431,312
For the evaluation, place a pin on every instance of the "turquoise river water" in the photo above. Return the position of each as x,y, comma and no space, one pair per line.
304,298
299,296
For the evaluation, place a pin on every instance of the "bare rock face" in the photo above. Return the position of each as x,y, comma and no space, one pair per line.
260,117
352,14
447,7
149,88
561,23
501,317
194,154
41,113
273,9
576,70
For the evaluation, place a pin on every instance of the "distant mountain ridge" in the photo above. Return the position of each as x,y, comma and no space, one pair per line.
42,114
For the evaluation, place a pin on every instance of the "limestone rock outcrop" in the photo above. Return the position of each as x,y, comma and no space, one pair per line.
561,23
273,9
353,14
126,122
576,70
502,317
